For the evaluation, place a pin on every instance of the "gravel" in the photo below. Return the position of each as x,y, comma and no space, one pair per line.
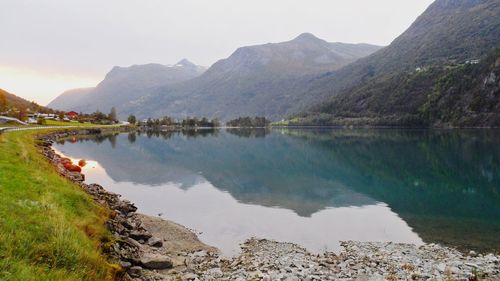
270,260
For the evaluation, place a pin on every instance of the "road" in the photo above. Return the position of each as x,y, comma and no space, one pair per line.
11,119
10,129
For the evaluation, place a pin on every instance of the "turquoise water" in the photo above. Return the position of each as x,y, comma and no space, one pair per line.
311,187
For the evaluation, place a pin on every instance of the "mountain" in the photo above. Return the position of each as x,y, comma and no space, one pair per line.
423,70
255,80
123,85
71,99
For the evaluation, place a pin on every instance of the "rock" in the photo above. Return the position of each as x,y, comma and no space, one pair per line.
155,242
126,207
140,235
189,276
441,267
215,272
125,265
76,176
135,271
471,265
156,261
126,223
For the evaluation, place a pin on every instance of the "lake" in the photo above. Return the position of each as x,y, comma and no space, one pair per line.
311,187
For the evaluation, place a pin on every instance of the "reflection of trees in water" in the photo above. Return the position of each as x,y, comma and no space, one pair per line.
132,136
460,160
249,132
190,133
443,183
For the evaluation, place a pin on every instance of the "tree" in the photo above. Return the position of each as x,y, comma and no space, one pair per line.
112,115
61,115
3,102
21,115
98,116
132,120
41,121
216,122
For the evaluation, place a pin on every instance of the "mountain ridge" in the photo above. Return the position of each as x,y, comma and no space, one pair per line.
253,80
388,84
125,84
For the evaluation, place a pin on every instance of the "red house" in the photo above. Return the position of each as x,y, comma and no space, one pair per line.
72,115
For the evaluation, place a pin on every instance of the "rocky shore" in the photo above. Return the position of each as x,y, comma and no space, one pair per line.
149,248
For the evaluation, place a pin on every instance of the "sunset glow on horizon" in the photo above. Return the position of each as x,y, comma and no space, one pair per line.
39,86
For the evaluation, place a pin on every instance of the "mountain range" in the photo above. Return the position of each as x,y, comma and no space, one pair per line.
254,80
444,70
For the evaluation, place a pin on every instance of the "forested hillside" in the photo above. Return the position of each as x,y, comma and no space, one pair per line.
410,82
10,103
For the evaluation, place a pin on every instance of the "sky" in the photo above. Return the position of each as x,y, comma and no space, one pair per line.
51,46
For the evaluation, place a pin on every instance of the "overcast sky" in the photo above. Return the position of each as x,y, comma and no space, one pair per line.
50,46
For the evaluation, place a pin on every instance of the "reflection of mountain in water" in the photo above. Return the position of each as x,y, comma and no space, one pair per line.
445,184
228,162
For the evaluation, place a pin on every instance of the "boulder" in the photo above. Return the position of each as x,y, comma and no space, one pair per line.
155,242
125,265
126,207
156,261
140,235
135,271
76,176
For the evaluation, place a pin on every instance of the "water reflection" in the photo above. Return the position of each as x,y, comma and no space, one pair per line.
249,132
444,184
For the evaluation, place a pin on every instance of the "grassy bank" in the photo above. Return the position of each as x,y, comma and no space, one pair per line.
49,228
61,123
57,123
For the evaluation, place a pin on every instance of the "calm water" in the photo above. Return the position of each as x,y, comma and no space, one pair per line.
311,187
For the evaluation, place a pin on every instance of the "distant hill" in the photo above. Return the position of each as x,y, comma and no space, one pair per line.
259,80
15,102
123,85
414,76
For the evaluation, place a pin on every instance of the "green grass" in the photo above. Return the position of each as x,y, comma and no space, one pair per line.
62,123
58,123
49,228
49,123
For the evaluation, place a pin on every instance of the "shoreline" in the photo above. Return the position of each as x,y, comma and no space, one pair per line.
150,248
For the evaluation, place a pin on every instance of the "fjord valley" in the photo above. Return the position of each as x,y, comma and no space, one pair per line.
361,143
